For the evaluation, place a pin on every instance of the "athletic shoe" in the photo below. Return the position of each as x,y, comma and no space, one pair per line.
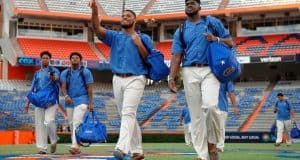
137,156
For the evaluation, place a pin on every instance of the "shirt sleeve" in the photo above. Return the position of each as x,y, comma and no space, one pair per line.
109,37
56,72
289,106
88,76
218,27
63,76
177,47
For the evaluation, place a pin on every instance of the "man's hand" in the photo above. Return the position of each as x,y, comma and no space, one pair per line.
235,110
172,86
90,107
209,37
68,100
26,107
93,5
136,39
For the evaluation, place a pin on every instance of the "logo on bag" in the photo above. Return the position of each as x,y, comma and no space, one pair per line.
228,71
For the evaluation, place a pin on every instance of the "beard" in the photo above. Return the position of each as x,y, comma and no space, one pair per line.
191,14
126,26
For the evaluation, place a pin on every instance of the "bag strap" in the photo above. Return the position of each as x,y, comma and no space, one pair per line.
181,30
146,45
93,115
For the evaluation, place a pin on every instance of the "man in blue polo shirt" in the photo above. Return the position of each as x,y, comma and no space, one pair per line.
200,85
185,117
45,78
226,89
78,93
284,111
127,58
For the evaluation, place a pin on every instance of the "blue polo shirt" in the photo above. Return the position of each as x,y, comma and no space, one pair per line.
283,110
195,42
76,88
41,79
124,54
223,100
186,115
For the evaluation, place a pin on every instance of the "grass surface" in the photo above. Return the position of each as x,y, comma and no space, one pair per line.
177,151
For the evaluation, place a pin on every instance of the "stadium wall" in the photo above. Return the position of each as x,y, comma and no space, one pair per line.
20,72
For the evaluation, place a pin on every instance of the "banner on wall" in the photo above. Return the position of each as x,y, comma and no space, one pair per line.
273,59
249,137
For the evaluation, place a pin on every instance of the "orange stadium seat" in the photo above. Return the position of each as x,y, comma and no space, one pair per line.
59,48
165,48
285,44
104,49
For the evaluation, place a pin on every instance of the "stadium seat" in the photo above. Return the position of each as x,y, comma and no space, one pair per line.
60,49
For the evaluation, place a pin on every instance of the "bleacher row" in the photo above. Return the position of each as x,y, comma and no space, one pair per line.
158,119
114,7
245,46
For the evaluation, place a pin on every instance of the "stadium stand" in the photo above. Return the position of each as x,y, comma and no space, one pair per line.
105,50
114,7
253,3
173,6
59,48
25,4
69,6
268,45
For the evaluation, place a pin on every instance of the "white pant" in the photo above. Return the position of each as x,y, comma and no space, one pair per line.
44,126
223,117
202,91
128,92
75,118
286,127
187,134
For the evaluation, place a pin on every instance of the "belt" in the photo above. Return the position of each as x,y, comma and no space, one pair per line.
198,65
124,75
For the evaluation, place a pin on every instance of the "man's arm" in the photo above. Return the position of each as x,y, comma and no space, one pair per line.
227,41
175,65
138,42
65,93
90,96
233,101
98,29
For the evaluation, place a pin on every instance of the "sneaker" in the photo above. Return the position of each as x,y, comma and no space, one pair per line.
74,151
41,152
119,155
53,148
137,156
277,144
220,150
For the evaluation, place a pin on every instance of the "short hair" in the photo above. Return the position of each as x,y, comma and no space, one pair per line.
77,54
131,11
45,53
279,95
198,1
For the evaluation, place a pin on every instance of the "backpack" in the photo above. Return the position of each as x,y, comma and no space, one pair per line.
222,61
157,69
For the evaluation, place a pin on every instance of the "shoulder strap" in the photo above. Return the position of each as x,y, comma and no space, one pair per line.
82,75
181,29
68,77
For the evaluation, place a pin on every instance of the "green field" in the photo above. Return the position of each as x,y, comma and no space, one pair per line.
177,151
